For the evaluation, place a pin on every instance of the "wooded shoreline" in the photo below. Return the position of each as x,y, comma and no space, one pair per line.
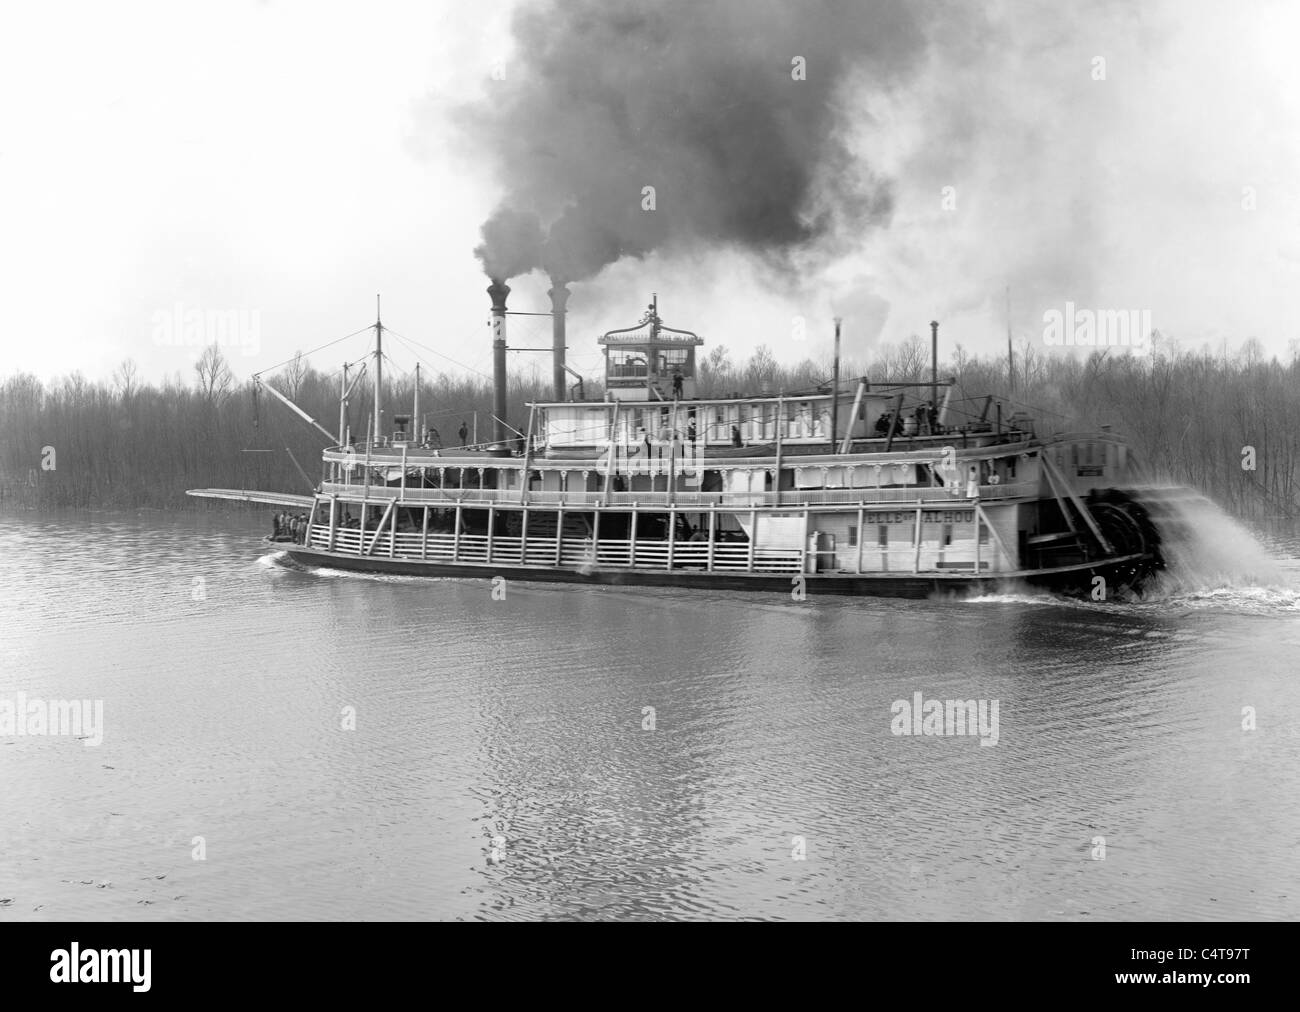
1227,425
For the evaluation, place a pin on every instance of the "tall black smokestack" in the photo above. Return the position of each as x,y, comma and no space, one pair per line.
559,299
499,290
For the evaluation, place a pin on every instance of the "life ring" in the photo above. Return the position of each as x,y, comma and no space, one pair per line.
994,479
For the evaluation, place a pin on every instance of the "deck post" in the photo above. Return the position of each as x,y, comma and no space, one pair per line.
803,557
780,427
613,453
631,548
862,530
455,541
595,537
916,561
491,521
559,535
672,534
713,533
976,504
528,455
424,535
334,520
402,482
392,533
523,538
753,536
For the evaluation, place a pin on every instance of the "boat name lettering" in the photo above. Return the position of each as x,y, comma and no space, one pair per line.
927,516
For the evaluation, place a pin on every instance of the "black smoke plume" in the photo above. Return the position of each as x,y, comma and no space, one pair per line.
698,100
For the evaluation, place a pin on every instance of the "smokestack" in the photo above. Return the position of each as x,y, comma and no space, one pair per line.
835,390
559,299
498,290
934,364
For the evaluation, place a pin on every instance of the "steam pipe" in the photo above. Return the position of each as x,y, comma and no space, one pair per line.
934,363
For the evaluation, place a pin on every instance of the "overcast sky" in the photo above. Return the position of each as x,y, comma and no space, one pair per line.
289,160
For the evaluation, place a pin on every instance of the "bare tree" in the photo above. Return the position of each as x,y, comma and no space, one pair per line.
215,377
761,368
293,375
126,378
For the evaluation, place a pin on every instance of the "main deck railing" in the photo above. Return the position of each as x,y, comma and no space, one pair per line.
550,552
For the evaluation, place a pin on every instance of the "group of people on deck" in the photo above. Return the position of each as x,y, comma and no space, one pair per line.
289,527
922,421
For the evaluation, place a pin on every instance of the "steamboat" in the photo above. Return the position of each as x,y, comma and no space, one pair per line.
857,487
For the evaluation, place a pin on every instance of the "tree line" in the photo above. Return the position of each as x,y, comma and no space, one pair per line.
1227,424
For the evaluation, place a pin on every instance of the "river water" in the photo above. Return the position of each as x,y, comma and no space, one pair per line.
642,754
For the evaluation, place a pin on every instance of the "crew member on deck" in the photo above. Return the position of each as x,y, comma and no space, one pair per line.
463,432
677,383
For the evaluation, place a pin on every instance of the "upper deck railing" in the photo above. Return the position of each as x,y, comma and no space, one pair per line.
920,449
935,497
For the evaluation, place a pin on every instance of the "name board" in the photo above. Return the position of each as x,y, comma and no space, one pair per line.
927,516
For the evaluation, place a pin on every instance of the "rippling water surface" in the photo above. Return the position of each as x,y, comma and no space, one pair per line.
225,676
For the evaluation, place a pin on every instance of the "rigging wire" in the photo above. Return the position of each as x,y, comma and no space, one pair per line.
438,353
313,351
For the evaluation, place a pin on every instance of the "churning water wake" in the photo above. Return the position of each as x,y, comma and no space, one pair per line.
1205,548
1211,562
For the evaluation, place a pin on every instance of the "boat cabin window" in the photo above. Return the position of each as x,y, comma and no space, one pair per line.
627,362
679,358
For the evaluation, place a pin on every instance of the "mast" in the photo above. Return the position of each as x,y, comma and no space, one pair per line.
1011,357
343,407
379,374
415,411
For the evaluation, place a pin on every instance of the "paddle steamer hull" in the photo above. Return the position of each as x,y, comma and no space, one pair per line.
1075,580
